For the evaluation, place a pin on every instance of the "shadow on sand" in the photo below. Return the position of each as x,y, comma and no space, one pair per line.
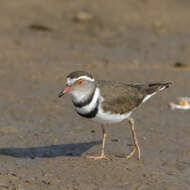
75,149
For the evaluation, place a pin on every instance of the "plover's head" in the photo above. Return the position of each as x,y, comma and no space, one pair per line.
80,84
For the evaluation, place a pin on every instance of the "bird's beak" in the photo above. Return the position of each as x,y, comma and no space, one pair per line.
67,89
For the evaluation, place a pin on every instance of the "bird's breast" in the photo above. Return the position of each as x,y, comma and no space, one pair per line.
91,108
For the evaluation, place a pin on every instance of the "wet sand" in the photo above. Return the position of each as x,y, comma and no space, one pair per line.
43,142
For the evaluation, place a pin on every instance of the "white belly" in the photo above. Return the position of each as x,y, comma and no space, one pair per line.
108,117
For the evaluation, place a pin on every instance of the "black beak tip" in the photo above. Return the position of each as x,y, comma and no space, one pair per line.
60,94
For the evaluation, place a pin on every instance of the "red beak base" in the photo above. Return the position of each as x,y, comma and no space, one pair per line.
66,90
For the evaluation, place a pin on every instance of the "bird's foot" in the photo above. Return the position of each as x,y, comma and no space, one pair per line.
101,157
136,147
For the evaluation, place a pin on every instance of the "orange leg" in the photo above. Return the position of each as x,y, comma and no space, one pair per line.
136,146
102,156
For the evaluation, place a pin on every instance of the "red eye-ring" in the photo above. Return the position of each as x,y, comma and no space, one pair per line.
80,82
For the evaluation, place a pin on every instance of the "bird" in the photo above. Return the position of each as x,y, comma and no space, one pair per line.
108,102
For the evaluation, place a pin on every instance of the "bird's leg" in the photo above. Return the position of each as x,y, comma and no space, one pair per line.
136,146
102,156
103,140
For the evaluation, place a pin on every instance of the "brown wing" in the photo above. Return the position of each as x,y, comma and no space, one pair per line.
122,98
119,97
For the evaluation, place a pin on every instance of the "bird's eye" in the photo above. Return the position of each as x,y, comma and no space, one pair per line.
80,82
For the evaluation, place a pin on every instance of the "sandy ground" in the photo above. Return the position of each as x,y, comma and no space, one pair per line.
43,141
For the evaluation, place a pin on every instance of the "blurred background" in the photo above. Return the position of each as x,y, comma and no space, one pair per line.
42,138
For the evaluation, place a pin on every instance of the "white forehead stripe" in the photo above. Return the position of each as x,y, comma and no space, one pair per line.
70,81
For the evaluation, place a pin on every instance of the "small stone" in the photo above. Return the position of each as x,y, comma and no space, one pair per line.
92,131
115,140
8,130
157,26
46,182
39,27
179,64
82,17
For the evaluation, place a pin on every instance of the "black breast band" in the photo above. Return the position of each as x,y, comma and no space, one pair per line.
92,113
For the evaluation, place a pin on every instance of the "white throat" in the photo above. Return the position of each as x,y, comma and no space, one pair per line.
89,107
78,96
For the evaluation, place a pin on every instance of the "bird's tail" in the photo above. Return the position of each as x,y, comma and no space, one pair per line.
155,87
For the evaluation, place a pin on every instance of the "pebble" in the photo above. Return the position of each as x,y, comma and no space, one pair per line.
8,130
82,17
